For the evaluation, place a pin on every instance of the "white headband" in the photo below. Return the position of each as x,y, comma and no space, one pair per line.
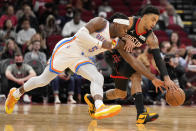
121,21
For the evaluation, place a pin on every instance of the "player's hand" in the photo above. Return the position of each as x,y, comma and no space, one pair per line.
169,84
158,84
130,45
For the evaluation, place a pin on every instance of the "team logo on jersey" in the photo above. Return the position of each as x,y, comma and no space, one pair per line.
135,41
142,37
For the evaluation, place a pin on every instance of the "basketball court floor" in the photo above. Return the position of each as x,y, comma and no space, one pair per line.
67,117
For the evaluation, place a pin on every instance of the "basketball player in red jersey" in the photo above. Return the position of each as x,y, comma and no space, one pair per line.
140,32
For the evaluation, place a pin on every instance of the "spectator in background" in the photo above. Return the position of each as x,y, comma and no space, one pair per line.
25,34
7,31
35,54
164,47
88,5
170,17
64,78
9,15
192,63
38,37
27,13
10,49
48,11
71,27
18,73
51,27
59,20
105,7
102,14
40,3
69,14
175,42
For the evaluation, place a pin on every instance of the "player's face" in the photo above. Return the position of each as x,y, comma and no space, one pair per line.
150,21
122,30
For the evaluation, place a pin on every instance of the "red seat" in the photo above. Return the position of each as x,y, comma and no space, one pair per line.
121,8
136,3
175,27
161,39
185,40
160,33
116,2
62,6
62,12
87,15
182,33
51,41
98,2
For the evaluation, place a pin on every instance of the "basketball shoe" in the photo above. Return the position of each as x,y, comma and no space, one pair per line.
91,107
10,102
145,117
103,111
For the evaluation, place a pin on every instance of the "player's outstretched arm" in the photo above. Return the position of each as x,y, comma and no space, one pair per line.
153,43
94,25
137,65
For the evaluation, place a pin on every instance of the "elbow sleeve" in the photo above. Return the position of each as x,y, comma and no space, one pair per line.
159,62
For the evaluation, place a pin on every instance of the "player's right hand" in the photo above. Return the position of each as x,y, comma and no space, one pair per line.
158,84
129,44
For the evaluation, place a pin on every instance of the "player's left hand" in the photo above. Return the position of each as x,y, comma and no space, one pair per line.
130,45
169,84
158,84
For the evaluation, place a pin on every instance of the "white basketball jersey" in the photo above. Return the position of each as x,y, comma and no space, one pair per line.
90,49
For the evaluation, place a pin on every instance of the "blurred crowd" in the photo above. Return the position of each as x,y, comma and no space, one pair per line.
29,30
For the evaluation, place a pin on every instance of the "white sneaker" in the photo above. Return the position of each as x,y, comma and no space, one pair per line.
71,100
57,101
26,99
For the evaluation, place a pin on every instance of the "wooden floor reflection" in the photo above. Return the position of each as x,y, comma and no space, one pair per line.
75,118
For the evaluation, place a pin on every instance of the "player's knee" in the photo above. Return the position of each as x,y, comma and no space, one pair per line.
120,93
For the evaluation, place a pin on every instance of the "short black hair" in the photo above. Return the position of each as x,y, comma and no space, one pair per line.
150,9
117,15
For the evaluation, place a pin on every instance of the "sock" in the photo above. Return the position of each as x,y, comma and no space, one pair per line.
98,103
139,103
17,94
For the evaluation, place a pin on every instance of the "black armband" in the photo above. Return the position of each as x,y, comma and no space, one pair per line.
159,62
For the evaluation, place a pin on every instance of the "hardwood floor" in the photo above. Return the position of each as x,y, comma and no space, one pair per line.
75,118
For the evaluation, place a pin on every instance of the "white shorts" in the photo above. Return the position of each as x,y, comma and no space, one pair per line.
67,54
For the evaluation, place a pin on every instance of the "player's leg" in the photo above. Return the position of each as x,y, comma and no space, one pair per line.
119,92
32,83
136,91
91,73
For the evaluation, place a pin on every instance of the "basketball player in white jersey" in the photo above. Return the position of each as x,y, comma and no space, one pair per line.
97,36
